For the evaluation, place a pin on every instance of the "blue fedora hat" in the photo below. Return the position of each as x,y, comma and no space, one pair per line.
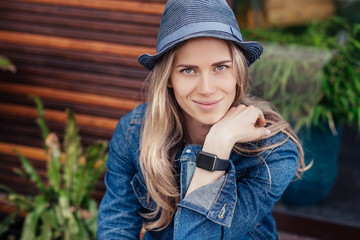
186,19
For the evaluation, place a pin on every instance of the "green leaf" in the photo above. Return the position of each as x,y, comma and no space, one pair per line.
71,227
8,221
97,174
92,221
87,176
40,120
21,173
39,106
59,216
6,64
21,201
4,61
31,225
54,164
73,150
7,189
53,218
29,169
284,79
83,233
47,226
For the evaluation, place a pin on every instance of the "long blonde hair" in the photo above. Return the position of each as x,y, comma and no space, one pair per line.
163,133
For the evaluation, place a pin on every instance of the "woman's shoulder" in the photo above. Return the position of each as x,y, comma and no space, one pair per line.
281,143
135,116
130,120
272,142
275,138
277,143
273,152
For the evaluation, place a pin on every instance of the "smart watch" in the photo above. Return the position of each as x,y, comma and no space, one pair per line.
211,162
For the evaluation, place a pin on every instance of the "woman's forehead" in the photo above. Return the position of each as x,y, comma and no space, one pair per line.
202,49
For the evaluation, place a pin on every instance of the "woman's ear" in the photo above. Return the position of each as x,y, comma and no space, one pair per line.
169,85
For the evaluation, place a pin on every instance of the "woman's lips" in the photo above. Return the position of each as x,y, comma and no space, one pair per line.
207,105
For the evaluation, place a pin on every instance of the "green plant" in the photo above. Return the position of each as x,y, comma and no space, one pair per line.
311,75
62,208
339,99
289,77
6,64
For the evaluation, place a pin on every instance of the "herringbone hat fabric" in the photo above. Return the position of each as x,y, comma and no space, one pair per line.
186,19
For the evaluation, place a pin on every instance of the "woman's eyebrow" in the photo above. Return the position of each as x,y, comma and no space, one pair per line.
186,66
221,62
195,66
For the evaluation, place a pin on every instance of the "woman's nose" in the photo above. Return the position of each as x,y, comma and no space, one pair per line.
206,86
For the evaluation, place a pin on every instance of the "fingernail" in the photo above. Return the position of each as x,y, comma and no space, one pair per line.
268,132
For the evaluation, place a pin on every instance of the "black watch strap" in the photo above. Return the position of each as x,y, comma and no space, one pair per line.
211,162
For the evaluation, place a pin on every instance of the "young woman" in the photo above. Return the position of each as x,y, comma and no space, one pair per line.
201,159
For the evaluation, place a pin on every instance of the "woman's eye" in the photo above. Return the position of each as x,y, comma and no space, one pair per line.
220,67
188,70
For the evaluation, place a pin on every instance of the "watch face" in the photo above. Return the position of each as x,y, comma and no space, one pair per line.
205,160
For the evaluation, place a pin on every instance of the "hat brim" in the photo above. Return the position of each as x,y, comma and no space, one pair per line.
251,50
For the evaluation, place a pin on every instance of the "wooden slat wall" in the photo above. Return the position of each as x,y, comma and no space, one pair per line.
73,54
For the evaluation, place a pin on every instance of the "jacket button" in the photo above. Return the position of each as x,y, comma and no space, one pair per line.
222,212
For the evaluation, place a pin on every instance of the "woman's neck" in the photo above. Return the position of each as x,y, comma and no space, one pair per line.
195,132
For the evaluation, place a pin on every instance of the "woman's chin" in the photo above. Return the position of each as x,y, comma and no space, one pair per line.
209,121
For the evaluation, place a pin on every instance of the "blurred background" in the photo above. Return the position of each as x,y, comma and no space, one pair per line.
82,55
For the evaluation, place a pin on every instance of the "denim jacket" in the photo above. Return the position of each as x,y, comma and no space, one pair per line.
237,206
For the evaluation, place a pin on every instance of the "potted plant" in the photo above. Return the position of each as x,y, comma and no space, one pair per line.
62,208
317,90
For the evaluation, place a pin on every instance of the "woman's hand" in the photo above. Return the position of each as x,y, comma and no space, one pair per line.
240,124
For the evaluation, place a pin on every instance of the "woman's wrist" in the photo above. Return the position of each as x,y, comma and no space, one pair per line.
219,145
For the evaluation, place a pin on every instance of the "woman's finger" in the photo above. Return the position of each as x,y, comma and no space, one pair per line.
262,132
260,121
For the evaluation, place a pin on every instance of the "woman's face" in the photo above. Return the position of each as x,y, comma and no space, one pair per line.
203,81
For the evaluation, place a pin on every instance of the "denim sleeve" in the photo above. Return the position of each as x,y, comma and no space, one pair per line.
118,212
237,203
